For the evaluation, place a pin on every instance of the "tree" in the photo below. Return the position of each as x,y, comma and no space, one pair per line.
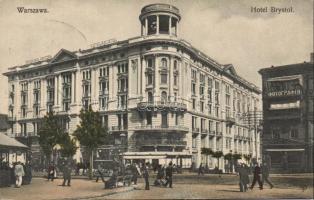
91,134
217,154
68,147
229,157
207,152
50,134
247,157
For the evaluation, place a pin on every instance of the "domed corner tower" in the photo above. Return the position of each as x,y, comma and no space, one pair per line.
159,19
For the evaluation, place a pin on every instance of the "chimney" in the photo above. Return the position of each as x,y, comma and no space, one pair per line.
312,57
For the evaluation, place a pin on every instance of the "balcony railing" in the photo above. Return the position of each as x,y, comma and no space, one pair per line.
158,7
230,121
195,130
204,131
103,92
161,142
118,128
219,134
212,133
25,135
161,105
161,128
11,119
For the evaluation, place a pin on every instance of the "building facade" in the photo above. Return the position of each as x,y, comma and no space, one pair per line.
161,98
288,116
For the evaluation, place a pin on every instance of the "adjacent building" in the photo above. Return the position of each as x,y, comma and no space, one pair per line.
288,116
161,98
4,124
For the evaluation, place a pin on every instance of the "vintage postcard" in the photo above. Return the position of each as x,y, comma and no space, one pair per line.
156,99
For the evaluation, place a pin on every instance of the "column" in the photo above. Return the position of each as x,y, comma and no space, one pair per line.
171,78
72,87
96,88
141,28
143,82
78,88
43,94
157,27
56,91
30,97
139,69
146,26
177,27
156,85
60,91
170,25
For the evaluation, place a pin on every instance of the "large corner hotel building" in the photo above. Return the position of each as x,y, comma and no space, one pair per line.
160,97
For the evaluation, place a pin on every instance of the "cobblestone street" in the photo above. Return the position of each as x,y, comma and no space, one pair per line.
185,186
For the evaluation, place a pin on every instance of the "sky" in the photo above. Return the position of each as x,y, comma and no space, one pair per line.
226,30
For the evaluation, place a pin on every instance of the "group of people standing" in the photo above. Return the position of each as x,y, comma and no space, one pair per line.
16,174
66,168
164,175
260,175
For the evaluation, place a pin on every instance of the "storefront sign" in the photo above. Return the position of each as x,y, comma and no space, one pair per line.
295,92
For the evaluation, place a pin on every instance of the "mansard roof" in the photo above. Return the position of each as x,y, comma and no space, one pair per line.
65,55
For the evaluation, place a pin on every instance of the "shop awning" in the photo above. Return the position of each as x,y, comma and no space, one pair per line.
7,142
144,157
283,150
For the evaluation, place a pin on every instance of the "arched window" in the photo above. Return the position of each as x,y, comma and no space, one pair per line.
164,96
150,97
164,63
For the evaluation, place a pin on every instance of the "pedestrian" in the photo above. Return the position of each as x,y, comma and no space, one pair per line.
66,174
99,173
19,173
145,175
112,181
257,177
244,177
169,171
51,172
135,173
265,175
200,169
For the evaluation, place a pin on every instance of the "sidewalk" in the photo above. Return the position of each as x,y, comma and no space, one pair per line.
42,189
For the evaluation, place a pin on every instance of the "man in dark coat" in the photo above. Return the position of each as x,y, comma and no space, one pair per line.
244,177
169,171
265,175
67,173
145,175
257,177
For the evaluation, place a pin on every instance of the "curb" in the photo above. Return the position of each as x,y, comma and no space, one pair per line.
98,196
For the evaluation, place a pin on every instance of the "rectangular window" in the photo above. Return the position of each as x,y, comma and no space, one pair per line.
217,111
175,81
163,78
149,118
193,142
201,90
193,88
149,79
217,86
193,104
294,133
164,120
150,63
177,119
202,106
